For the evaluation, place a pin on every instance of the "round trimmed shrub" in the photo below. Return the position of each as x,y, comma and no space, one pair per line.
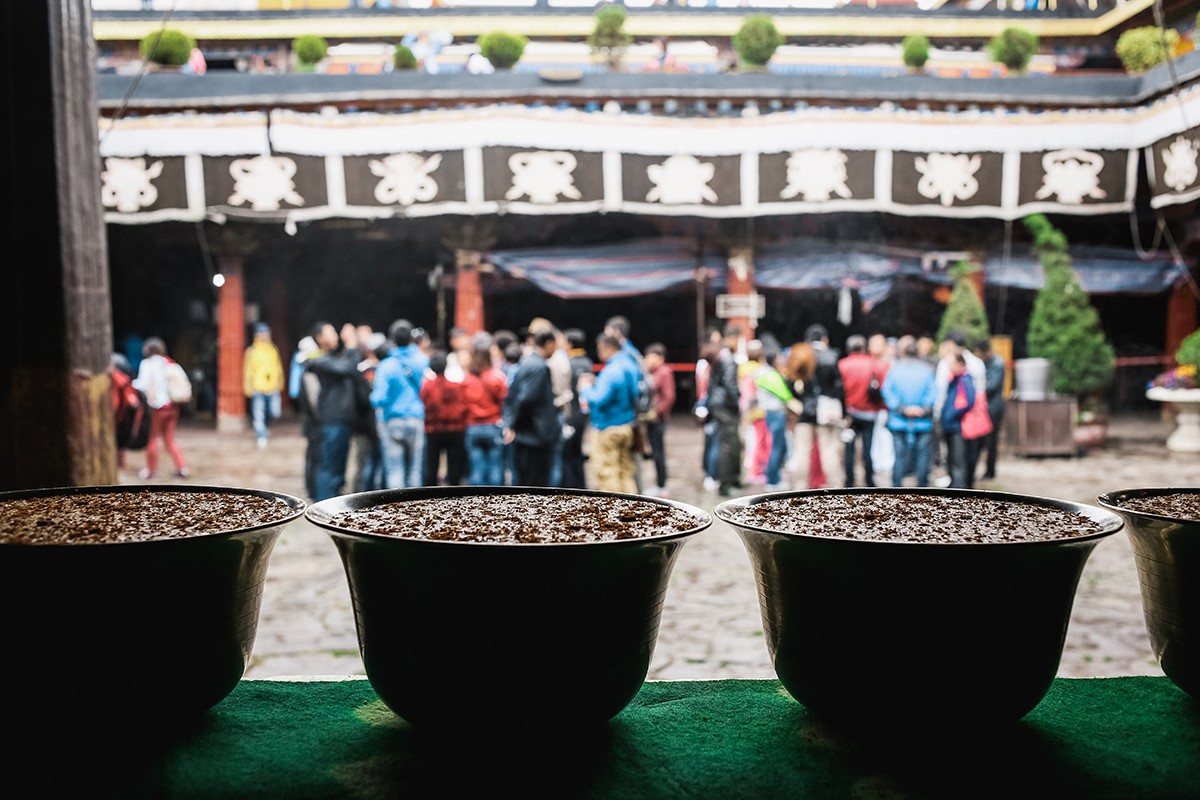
404,58
502,49
169,47
309,49
1014,48
757,40
915,50
1142,48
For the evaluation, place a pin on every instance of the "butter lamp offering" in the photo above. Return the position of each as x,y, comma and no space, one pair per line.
119,603
1163,525
477,607
891,610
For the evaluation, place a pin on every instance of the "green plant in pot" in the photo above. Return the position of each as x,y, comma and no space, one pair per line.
1014,48
1142,48
403,58
609,37
502,49
167,47
915,52
1064,327
965,311
310,49
756,41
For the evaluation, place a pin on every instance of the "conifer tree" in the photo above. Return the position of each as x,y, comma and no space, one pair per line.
1064,327
965,311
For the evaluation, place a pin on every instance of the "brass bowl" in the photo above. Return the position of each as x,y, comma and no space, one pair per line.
1167,552
159,628
883,636
467,635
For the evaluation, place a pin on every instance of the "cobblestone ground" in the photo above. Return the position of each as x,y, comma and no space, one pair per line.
710,621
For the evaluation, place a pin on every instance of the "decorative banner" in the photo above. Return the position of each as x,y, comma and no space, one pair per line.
513,159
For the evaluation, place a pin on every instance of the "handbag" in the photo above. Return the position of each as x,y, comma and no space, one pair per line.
977,423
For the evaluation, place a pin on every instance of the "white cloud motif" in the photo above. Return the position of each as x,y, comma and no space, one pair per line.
264,182
1073,175
1179,163
816,175
128,184
947,177
681,179
542,175
405,179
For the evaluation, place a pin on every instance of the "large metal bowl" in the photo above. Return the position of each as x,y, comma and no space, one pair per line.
470,635
882,636
1167,552
160,629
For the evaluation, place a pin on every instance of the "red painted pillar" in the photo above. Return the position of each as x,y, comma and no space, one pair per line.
231,344
1181,316
741,281
468,292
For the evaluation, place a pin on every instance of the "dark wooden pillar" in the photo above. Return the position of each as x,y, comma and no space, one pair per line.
1181,316
468,292
56,422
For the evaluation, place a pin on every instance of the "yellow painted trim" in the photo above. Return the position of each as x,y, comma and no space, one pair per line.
395,26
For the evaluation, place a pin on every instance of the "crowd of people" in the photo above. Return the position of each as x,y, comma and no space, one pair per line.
888,406
534,407
521,408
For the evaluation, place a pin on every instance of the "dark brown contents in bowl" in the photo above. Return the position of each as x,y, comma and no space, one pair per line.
1181,505
133,516
520,518
903,517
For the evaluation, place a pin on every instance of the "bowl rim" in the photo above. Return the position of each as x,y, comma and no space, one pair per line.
296,509
321,514
1109,521
1112,501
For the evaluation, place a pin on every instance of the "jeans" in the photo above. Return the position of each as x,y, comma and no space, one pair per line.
485,454
334,452
729,447
914,453
264,407
710,449
453,444
656,431
777,426
956,459
403,440
864,431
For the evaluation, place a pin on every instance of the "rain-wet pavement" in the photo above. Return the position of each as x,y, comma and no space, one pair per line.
710,625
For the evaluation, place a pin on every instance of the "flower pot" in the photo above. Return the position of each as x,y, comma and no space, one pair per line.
471,635
104,630
943,635
1166,547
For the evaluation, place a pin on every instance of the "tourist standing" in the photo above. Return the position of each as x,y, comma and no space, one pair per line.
445,425
663,379
610,402
262,381
531,423
909,392
960,396
723,403
859,372
484,390
576,424
337,397
396,396
996,371
164,415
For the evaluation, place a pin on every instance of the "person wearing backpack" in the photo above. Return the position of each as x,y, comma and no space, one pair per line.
164,416
610,401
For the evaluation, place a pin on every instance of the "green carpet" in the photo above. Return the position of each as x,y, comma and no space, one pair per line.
1095,738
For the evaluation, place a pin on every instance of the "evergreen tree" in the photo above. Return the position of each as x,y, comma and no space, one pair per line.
1064,327
965,311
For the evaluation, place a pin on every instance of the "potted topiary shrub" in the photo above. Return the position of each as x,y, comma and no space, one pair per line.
756,41
403,58
310,49
1014,48
1065,329
609,37
915,51
1142,48
167,48
502,49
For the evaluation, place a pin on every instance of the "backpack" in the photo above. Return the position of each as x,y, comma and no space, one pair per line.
179,388
644,398
132,412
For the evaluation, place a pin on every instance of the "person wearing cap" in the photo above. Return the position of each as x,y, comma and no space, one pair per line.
262,381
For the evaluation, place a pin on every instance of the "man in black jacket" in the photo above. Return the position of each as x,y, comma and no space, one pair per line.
724,407
530,419
337,403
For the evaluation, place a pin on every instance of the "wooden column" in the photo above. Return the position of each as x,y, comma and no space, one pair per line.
231,344
1181,316
56,421
468,292
741,281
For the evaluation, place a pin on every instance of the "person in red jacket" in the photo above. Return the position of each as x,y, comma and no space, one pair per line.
860,372
484,388
445,425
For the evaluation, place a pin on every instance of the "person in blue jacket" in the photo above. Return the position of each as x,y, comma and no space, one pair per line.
909,390
960,396
400,413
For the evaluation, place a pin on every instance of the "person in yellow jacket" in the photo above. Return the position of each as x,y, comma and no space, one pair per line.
262,381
